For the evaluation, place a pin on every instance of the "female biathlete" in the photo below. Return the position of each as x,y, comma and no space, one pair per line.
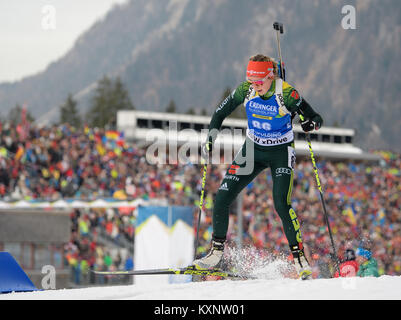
270,103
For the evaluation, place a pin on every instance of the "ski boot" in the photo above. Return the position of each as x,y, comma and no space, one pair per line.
214,257
302,266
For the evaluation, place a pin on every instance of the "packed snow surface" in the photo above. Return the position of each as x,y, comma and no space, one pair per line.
384,287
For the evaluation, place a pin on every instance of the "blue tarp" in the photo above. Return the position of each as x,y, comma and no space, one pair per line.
12,277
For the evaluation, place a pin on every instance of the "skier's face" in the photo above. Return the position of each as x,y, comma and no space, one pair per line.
261,86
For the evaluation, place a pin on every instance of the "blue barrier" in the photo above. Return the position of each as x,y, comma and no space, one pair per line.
12,277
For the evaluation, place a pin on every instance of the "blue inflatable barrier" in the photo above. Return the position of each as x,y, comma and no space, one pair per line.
12,277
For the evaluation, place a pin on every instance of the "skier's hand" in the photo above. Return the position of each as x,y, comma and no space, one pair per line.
312,124
206,150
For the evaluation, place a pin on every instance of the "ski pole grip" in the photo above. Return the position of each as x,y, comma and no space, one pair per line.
278,26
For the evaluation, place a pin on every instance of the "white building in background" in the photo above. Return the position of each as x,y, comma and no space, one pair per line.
143,127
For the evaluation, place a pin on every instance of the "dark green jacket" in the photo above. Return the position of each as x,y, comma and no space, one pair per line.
292,100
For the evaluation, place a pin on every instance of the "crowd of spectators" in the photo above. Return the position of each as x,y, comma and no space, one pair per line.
49,163
84,251
363,201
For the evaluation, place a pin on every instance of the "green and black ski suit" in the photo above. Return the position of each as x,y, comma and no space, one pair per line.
269,143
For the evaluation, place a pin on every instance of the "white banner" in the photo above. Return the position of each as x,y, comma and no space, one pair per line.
164,238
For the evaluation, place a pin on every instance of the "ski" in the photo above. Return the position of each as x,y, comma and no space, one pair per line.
191,270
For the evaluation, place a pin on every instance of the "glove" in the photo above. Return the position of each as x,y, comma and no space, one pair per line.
206,150
312,124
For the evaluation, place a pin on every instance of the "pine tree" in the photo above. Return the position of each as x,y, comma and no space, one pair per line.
14,115
171,108
69,113
109,98
191,111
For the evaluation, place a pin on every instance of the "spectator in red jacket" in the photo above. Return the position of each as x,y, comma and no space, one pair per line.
348,267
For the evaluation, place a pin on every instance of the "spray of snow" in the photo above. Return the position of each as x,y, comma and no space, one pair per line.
250,261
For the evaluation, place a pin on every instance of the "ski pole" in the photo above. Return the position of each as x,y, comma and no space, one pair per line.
200,206
279,30
319,186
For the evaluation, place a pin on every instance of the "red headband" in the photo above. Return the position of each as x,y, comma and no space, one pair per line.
260,69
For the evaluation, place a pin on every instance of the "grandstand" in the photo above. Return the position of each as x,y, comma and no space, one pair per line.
143,126
362,198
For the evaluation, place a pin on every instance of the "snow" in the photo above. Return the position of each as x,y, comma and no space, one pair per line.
273,282
382,288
